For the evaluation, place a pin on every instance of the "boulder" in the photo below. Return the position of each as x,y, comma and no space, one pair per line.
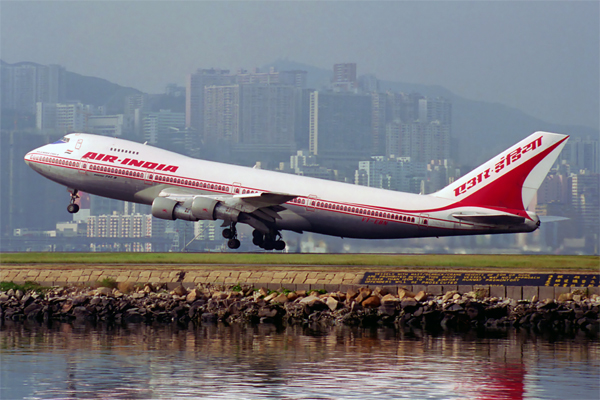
449,295
292,296
192,296
281,299
421,296
332,303
271,296
403,293
371,302
389,298
263,291
565,297
180,291
104,291
351,294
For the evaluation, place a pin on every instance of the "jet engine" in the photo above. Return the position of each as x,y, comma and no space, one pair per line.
193,209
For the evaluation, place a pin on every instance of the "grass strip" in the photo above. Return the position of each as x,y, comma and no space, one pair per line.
478,261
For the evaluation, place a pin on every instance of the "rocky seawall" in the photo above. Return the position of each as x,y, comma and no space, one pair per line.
244,304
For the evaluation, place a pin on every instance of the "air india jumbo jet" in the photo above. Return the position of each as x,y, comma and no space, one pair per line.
490,199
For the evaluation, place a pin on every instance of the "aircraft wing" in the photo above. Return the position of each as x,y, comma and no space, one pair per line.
264,205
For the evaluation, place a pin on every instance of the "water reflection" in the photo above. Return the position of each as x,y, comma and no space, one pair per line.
267,361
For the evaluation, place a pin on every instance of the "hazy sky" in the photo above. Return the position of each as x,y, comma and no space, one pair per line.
540,57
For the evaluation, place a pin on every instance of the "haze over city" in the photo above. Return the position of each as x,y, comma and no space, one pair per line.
539,57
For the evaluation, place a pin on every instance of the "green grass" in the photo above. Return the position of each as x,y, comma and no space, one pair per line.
307,261
6,286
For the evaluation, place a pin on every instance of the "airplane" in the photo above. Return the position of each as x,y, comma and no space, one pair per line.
490,199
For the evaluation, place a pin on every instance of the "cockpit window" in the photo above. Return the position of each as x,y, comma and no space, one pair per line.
63,139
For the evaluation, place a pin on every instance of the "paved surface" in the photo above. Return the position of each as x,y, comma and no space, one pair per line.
293,278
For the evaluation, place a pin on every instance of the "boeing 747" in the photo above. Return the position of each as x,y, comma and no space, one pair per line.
490,199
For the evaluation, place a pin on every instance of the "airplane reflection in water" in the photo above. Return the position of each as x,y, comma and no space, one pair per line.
490,199
265,361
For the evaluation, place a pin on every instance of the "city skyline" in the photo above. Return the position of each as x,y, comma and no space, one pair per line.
509,53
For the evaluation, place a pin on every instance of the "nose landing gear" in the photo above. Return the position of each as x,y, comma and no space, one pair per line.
72,207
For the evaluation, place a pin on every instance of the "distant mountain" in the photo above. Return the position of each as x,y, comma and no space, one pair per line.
480,129
97,91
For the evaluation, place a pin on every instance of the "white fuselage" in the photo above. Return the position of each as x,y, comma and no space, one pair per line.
130,171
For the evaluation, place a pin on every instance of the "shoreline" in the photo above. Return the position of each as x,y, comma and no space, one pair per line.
363,306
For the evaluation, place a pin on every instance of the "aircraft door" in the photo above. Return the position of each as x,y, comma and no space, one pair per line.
423,221
311,202
148,177
83,166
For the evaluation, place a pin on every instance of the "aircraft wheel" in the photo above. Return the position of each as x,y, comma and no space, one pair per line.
72,208
227,233
258,241
279,245
257,234
233,244
268,245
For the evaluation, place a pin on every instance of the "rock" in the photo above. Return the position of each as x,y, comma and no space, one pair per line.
219,295
421,296
404,293
534,299
388,308
457,296
66,307
138,295
267,312
148,288
365,292
104,291
192,296
380,291
332,303
311,301
351,295
10,293
371,302
271,296
565,297
180,291
455,308
449,295
301,293
4,298
208,317
409,302
263,291
281,299
389,298
577,297
19,294
292,296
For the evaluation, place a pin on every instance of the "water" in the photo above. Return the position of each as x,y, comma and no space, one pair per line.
267,362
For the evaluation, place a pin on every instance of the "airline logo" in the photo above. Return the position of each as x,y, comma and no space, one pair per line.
68,151
131,162
512,158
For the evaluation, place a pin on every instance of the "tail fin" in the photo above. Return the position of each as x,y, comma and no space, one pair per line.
511,179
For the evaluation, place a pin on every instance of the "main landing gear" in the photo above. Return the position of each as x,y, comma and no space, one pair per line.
270,241
72,207
231,234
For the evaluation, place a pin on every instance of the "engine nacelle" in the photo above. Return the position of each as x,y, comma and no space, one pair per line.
164,208
204,208
194,209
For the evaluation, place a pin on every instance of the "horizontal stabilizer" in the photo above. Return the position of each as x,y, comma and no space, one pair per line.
550,218
492,219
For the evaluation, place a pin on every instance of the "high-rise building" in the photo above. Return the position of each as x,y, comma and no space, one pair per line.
156,125
340,128
23,85
344,77
272,77
194,94
222,114
393,173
